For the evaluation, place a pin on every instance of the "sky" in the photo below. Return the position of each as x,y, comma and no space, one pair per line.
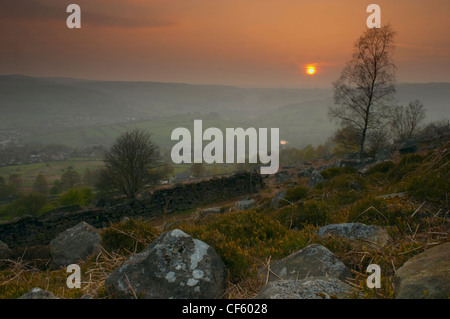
255,43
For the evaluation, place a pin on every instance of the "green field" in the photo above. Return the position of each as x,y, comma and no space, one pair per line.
51,170
54,170
161,131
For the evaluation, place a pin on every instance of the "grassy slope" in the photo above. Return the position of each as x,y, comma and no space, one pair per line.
246,240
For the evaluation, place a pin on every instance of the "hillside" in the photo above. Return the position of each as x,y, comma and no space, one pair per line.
81,112
311,232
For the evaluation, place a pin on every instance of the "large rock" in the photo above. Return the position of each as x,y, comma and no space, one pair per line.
312,261
426,275
4,251
75,244
245,204
358,231
282,176
276,199
383,155
38,293
211,211
315,179
173,266
308,288
408,146
305,172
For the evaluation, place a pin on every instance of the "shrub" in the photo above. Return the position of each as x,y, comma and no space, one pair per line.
294,194
244,239
346,182
27,205
332,172
312,212
344,189
82,196
378,211
408,164
383,167
431,182
431,187
128,236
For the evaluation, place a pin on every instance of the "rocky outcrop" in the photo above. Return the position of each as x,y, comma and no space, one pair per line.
357,231
38,293
358,164
305,172
4,251
276,199
76,243
245,204
315,179
211,210
311,261
409,146
175,265
425,275
282,177
308,288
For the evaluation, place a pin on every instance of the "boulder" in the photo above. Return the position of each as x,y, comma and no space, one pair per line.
282,176
245,204
174,265
312,261
408,146
358,164
308,288
315,179
355,186
74,244
305,172
38,293
211,210
276,199
383,155
4,251
371,233
425,275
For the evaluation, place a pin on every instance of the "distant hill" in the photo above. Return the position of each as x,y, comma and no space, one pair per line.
78,112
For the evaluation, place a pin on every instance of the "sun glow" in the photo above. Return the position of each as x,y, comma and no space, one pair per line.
311,70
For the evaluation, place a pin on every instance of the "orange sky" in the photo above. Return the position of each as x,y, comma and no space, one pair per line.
237,42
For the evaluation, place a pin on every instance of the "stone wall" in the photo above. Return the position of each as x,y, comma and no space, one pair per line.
32,231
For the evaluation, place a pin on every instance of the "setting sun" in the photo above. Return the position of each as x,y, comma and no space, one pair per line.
310,70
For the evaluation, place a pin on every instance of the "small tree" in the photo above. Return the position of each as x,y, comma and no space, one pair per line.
346,140
15,180
41,185
128,162
56,188
407,121
30,204
6,190
80,195
365,86
70,179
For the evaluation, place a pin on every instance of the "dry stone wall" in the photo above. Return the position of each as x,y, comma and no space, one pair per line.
33,231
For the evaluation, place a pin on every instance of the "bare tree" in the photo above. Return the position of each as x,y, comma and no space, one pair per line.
128,162
407,121
365,88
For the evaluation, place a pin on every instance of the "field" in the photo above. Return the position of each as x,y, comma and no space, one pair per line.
160,129
51,170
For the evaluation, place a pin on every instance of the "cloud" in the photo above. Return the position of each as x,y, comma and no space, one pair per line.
120,14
